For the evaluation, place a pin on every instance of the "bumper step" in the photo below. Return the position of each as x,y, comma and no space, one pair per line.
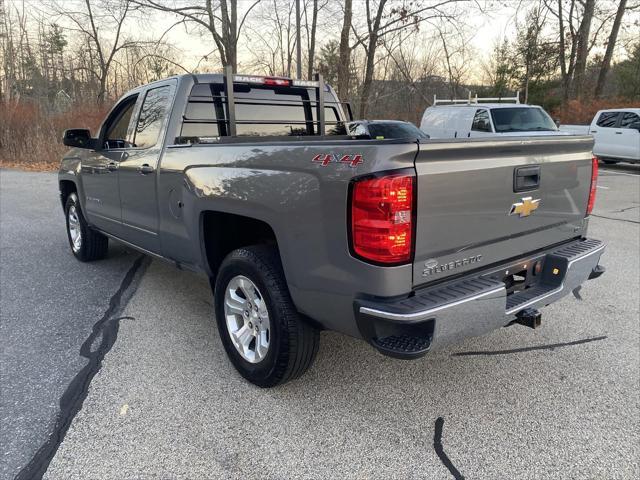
403,346
515,301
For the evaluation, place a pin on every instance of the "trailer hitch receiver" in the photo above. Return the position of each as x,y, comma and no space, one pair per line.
529,317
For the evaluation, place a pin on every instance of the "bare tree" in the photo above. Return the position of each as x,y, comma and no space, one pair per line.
345,52
91,19
499,69
534,57
583,46
219,19
611,43
382,21
311,36
274,37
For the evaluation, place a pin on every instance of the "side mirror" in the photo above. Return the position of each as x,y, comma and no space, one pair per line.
79,138
557,122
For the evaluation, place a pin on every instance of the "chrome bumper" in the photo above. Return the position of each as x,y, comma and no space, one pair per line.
477,304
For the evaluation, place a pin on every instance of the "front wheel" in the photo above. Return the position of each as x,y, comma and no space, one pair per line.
264,336
86,244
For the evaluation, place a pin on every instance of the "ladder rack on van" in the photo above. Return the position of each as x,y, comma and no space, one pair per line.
475,100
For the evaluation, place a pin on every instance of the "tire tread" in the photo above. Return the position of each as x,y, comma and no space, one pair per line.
95,245
300,340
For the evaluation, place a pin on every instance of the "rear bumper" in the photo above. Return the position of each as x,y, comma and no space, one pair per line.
475,304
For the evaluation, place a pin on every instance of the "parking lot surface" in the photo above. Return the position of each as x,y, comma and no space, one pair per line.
558,402
49,303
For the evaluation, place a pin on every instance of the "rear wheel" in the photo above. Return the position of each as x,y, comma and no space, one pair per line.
86,244
264,336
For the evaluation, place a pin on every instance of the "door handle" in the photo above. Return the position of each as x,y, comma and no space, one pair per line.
146,168
112,167
526,178
593,131
618,133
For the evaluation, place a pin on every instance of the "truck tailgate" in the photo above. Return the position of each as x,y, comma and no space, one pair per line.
471,214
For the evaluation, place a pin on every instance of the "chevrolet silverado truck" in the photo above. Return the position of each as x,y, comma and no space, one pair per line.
407,243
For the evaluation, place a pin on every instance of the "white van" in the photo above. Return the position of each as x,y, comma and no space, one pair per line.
475,119
616,133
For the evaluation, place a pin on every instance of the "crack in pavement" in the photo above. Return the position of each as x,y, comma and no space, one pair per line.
106,330
618,219
437,445
529,349
625,209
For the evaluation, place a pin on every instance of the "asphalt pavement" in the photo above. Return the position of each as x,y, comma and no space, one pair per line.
49,303
558,402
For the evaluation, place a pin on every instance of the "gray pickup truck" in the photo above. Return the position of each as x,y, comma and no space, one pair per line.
406,243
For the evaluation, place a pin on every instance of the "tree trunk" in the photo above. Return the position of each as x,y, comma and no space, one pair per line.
298,42
102,92
452,87
583,47
374,30
312,39
345,54
368,76
563,55
613,37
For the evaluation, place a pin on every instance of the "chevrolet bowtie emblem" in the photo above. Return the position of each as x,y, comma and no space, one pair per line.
525,207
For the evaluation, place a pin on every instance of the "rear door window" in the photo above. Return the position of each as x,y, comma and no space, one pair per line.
204,116
152,116
481,121
608,119
630,120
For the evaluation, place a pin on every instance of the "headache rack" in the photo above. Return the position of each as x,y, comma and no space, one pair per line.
229,78
475,100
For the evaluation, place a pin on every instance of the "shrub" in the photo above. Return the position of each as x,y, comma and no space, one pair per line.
581,112
31,134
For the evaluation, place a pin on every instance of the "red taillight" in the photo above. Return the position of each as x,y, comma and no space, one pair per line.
594,180
382,218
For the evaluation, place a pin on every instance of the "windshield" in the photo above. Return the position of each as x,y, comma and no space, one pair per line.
525,119
395,130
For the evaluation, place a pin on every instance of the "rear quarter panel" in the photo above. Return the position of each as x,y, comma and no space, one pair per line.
303,201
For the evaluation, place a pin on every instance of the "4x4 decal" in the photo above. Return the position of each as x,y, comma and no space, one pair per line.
326,158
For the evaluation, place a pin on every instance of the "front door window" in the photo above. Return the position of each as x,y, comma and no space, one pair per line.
117,125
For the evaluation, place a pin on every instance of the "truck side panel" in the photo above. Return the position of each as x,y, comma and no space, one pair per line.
304,202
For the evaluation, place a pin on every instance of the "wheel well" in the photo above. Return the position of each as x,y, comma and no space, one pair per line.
67,187
225,232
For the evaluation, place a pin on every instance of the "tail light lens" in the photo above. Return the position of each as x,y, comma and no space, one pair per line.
382,219
594,180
